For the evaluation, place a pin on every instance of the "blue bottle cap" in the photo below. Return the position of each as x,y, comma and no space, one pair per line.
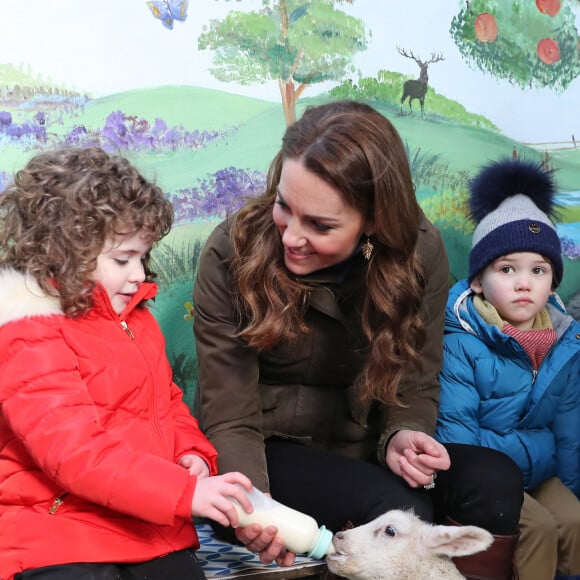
321,546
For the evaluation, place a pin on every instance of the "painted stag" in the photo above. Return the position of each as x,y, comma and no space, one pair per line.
417,88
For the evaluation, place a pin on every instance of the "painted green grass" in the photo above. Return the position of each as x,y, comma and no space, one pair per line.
255,127
192,107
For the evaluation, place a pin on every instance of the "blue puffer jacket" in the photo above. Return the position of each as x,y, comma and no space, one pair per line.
491,395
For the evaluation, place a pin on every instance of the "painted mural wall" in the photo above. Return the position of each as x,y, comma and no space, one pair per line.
197,94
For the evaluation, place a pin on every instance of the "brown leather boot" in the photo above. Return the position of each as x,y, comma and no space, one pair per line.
495,563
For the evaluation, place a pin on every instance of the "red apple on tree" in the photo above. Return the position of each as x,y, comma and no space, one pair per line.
548,51
549,7
485,27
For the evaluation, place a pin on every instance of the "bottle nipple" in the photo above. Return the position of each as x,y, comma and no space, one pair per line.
323,545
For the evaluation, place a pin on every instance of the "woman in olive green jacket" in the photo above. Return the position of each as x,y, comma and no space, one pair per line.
318,324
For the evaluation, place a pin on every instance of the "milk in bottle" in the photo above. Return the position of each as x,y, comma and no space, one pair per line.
299,531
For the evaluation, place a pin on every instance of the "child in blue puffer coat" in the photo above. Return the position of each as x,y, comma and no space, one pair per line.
510,378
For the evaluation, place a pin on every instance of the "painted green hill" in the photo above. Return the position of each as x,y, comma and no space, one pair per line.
253,129
192,107
250,131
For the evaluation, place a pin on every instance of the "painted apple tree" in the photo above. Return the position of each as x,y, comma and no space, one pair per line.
530,44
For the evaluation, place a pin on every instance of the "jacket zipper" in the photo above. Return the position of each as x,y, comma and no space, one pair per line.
536,371
56,503
156,426
127,330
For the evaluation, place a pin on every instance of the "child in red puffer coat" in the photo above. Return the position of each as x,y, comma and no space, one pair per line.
102,466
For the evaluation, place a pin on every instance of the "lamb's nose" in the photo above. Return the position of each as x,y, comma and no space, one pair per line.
339,535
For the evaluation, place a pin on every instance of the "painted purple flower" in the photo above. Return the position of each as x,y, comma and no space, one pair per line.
220,194
5,118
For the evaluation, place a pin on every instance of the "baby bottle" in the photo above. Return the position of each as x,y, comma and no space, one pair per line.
299,531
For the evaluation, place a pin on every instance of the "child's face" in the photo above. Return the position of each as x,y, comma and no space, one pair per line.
518,285
120,267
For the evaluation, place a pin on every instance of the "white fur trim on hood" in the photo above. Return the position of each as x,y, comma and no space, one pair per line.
21,297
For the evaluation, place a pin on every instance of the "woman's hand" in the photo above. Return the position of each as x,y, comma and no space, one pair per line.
269,546
416,457
213,495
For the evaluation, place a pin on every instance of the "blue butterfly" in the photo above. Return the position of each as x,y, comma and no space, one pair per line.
169,10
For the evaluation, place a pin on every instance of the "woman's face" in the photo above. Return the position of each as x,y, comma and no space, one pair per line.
317,227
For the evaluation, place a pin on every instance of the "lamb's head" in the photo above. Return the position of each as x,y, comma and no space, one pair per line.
399,546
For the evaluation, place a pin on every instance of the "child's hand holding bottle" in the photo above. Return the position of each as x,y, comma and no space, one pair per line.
213,497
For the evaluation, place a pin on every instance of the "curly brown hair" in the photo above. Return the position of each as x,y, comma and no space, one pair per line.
62,207
356,150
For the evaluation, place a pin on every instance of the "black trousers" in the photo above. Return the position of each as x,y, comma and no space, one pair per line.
483,487
182,565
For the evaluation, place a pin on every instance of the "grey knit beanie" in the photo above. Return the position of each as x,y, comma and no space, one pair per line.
510,201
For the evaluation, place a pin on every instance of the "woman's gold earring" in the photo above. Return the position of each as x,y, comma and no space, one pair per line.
367,249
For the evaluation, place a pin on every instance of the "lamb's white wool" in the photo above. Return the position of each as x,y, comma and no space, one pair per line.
400,546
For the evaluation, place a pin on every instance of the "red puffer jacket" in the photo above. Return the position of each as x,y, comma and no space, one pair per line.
91,428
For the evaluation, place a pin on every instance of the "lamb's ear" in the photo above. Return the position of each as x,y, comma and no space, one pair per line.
455,541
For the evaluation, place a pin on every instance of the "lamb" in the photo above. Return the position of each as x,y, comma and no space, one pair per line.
400,546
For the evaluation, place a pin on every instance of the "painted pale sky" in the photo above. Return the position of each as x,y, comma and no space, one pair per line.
108,46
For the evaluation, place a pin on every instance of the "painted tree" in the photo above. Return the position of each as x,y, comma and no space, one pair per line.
296,42
530,44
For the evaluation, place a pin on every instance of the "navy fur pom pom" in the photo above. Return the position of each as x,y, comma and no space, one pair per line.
502,179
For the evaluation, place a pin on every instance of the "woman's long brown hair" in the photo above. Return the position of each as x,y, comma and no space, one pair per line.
357,151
